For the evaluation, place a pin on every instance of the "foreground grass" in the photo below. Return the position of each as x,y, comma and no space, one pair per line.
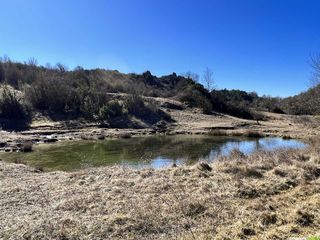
261,196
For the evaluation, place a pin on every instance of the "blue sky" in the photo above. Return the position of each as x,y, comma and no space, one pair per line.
253,45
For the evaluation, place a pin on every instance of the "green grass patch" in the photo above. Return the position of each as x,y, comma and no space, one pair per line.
313,238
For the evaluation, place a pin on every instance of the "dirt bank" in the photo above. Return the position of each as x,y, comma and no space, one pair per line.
186,121
262,196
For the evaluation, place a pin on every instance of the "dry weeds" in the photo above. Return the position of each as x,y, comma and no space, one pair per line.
267,195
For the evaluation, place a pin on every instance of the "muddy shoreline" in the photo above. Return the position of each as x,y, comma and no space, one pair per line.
185,122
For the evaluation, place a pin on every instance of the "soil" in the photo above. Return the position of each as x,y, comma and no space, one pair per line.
186,121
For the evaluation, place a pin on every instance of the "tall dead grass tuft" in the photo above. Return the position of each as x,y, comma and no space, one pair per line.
265,195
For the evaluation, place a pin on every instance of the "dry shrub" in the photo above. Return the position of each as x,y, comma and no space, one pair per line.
27,146
218,132
253,134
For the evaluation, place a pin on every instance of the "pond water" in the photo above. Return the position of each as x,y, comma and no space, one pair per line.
138,152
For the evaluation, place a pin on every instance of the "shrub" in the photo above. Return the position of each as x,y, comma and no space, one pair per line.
13,75
13,111
27,146
135,105
2,73
238,111
149,112
110,110
195,98
48,95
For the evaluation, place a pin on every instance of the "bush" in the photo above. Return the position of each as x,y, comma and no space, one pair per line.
13,111
49,95
13,76
92,103
135,105
239,111
110,111
197,97
149,112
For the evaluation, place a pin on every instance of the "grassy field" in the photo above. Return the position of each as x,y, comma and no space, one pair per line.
267,195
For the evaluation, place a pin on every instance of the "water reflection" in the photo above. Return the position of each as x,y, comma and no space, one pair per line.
155,151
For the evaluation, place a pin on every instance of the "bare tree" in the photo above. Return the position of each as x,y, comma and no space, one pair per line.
191,75
315,64
61,67
2,72
5,59
208,79
32,62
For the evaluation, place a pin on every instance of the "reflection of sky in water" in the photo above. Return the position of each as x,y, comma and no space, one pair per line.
251,146
154,152
245,146
158,162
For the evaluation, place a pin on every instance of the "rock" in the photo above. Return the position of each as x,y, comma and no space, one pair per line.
101,137
3,144
248,232
304,218
19,145
160,126
50,140
124,135
172,106
38,169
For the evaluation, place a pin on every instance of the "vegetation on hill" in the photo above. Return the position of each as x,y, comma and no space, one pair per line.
63,94
88,94
306,103
14,113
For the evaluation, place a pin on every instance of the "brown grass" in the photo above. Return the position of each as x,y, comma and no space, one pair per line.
267,195
238,133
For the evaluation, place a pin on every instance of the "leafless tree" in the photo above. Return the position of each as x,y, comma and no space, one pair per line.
49,66
5,59
32,62
2,72
194,76
315,64
208,79
61,67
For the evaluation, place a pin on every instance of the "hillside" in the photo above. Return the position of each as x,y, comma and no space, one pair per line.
306,103
114,99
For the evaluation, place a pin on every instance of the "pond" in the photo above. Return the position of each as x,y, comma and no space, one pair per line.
139,152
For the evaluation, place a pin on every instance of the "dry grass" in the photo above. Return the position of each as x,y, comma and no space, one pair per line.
238,133
267,195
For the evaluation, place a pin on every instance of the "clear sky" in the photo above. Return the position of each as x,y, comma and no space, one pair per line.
253,45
